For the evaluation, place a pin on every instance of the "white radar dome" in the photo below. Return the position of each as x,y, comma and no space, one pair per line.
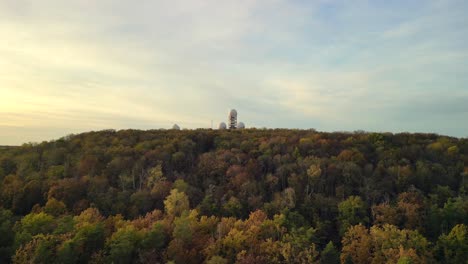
175,127
233,113
241,125
222,125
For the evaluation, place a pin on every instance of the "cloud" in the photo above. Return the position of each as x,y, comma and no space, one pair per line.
331,65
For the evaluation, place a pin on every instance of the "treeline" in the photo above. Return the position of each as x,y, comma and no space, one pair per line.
245,196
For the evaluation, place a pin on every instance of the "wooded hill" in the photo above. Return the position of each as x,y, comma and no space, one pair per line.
245,196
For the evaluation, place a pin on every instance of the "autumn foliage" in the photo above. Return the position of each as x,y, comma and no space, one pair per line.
246,196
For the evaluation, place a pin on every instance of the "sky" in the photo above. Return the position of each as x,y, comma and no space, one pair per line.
80,65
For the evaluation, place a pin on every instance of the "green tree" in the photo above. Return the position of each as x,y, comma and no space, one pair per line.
54,207
453,247
40,223
6,235
41,249
155,238
87,240
330,255
32,225
123,245
352,211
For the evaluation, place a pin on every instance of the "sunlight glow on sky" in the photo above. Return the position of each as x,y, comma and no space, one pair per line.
80,65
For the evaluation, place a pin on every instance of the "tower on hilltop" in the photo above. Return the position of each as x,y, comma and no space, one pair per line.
232,119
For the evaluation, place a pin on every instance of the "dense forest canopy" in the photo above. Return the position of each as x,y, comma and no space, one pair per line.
244,196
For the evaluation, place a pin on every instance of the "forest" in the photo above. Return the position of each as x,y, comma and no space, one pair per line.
235,196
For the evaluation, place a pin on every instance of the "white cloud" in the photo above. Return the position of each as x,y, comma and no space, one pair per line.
98,64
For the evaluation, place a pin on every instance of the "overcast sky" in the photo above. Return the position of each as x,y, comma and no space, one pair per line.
80,65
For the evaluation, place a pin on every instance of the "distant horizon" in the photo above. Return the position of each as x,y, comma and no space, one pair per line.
247,128
69,66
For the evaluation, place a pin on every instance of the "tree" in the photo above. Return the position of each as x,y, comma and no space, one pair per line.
6,235
123,245
217,260
181,248
40,223
352,211
54,207
384,213
232,207
155,238
69,191
176,203
453,247
87,240
330,255
142,202
39,250
32,194
411,207
357,245
12,192
313,175
391,244
155,176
